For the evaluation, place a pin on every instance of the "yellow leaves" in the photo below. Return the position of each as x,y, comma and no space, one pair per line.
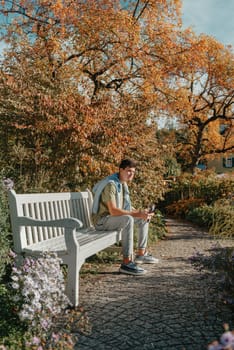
52,45
213,136
96,36
57,6
125,60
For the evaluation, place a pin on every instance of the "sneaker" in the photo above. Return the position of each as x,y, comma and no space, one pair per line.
132,269
146,259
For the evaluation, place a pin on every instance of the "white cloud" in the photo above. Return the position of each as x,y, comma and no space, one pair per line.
212,17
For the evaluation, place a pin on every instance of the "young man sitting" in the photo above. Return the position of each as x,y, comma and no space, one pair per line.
112,210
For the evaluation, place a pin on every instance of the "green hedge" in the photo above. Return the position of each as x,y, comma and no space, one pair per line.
5,235
223,219
202,216
205,186
218,218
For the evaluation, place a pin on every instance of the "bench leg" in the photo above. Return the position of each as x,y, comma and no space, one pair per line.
73,282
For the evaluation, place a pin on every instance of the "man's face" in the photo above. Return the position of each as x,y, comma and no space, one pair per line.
127,174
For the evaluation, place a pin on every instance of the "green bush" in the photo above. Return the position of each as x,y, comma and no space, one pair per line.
204,185
182,207
157,228
12,331
201,216
204,199
5,236
218,218
223,219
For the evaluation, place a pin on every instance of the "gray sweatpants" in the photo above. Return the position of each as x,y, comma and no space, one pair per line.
126,223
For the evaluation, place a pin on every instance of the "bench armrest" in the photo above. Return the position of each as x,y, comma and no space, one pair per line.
70,226
69,222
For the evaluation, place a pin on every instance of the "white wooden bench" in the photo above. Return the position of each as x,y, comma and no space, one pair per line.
61,223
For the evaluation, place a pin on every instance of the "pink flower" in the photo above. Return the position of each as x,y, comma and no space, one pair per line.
36,341
12,254
226,338
55,337
215,346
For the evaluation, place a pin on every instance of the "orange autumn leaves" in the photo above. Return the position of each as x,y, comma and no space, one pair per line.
81,79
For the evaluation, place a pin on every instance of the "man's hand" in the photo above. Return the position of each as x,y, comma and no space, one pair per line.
136,213
145,214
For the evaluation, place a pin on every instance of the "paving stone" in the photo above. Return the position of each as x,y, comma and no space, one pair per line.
172,307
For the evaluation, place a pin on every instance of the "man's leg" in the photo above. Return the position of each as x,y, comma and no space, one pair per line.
142,255
142,232
124,223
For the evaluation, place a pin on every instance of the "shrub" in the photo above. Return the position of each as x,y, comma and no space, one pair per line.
181,208
38,300
223,219
157,228
201,216
39,290
204,185
5,236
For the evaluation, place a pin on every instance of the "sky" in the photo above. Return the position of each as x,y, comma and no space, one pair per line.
212,17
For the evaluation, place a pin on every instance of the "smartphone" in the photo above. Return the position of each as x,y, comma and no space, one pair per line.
152,208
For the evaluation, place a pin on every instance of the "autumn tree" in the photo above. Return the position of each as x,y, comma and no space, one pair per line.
76,90
202,99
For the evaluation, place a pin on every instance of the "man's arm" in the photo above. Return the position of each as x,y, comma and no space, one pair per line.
142,214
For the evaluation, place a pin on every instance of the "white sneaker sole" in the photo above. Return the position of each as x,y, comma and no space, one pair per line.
146,262
133,273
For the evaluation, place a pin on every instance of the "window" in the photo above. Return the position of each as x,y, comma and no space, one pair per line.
228,162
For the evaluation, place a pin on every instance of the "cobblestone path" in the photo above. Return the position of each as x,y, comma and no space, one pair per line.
172,307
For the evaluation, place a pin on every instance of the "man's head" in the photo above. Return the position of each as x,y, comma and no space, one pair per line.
127,170
130,163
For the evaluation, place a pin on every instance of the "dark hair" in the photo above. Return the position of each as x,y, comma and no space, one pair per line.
127,163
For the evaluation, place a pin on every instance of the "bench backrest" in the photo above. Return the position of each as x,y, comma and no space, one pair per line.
47,206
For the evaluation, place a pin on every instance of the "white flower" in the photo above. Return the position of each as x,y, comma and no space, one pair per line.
41,285
16,298
8,184
15,278
15,285
226,338
24,315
